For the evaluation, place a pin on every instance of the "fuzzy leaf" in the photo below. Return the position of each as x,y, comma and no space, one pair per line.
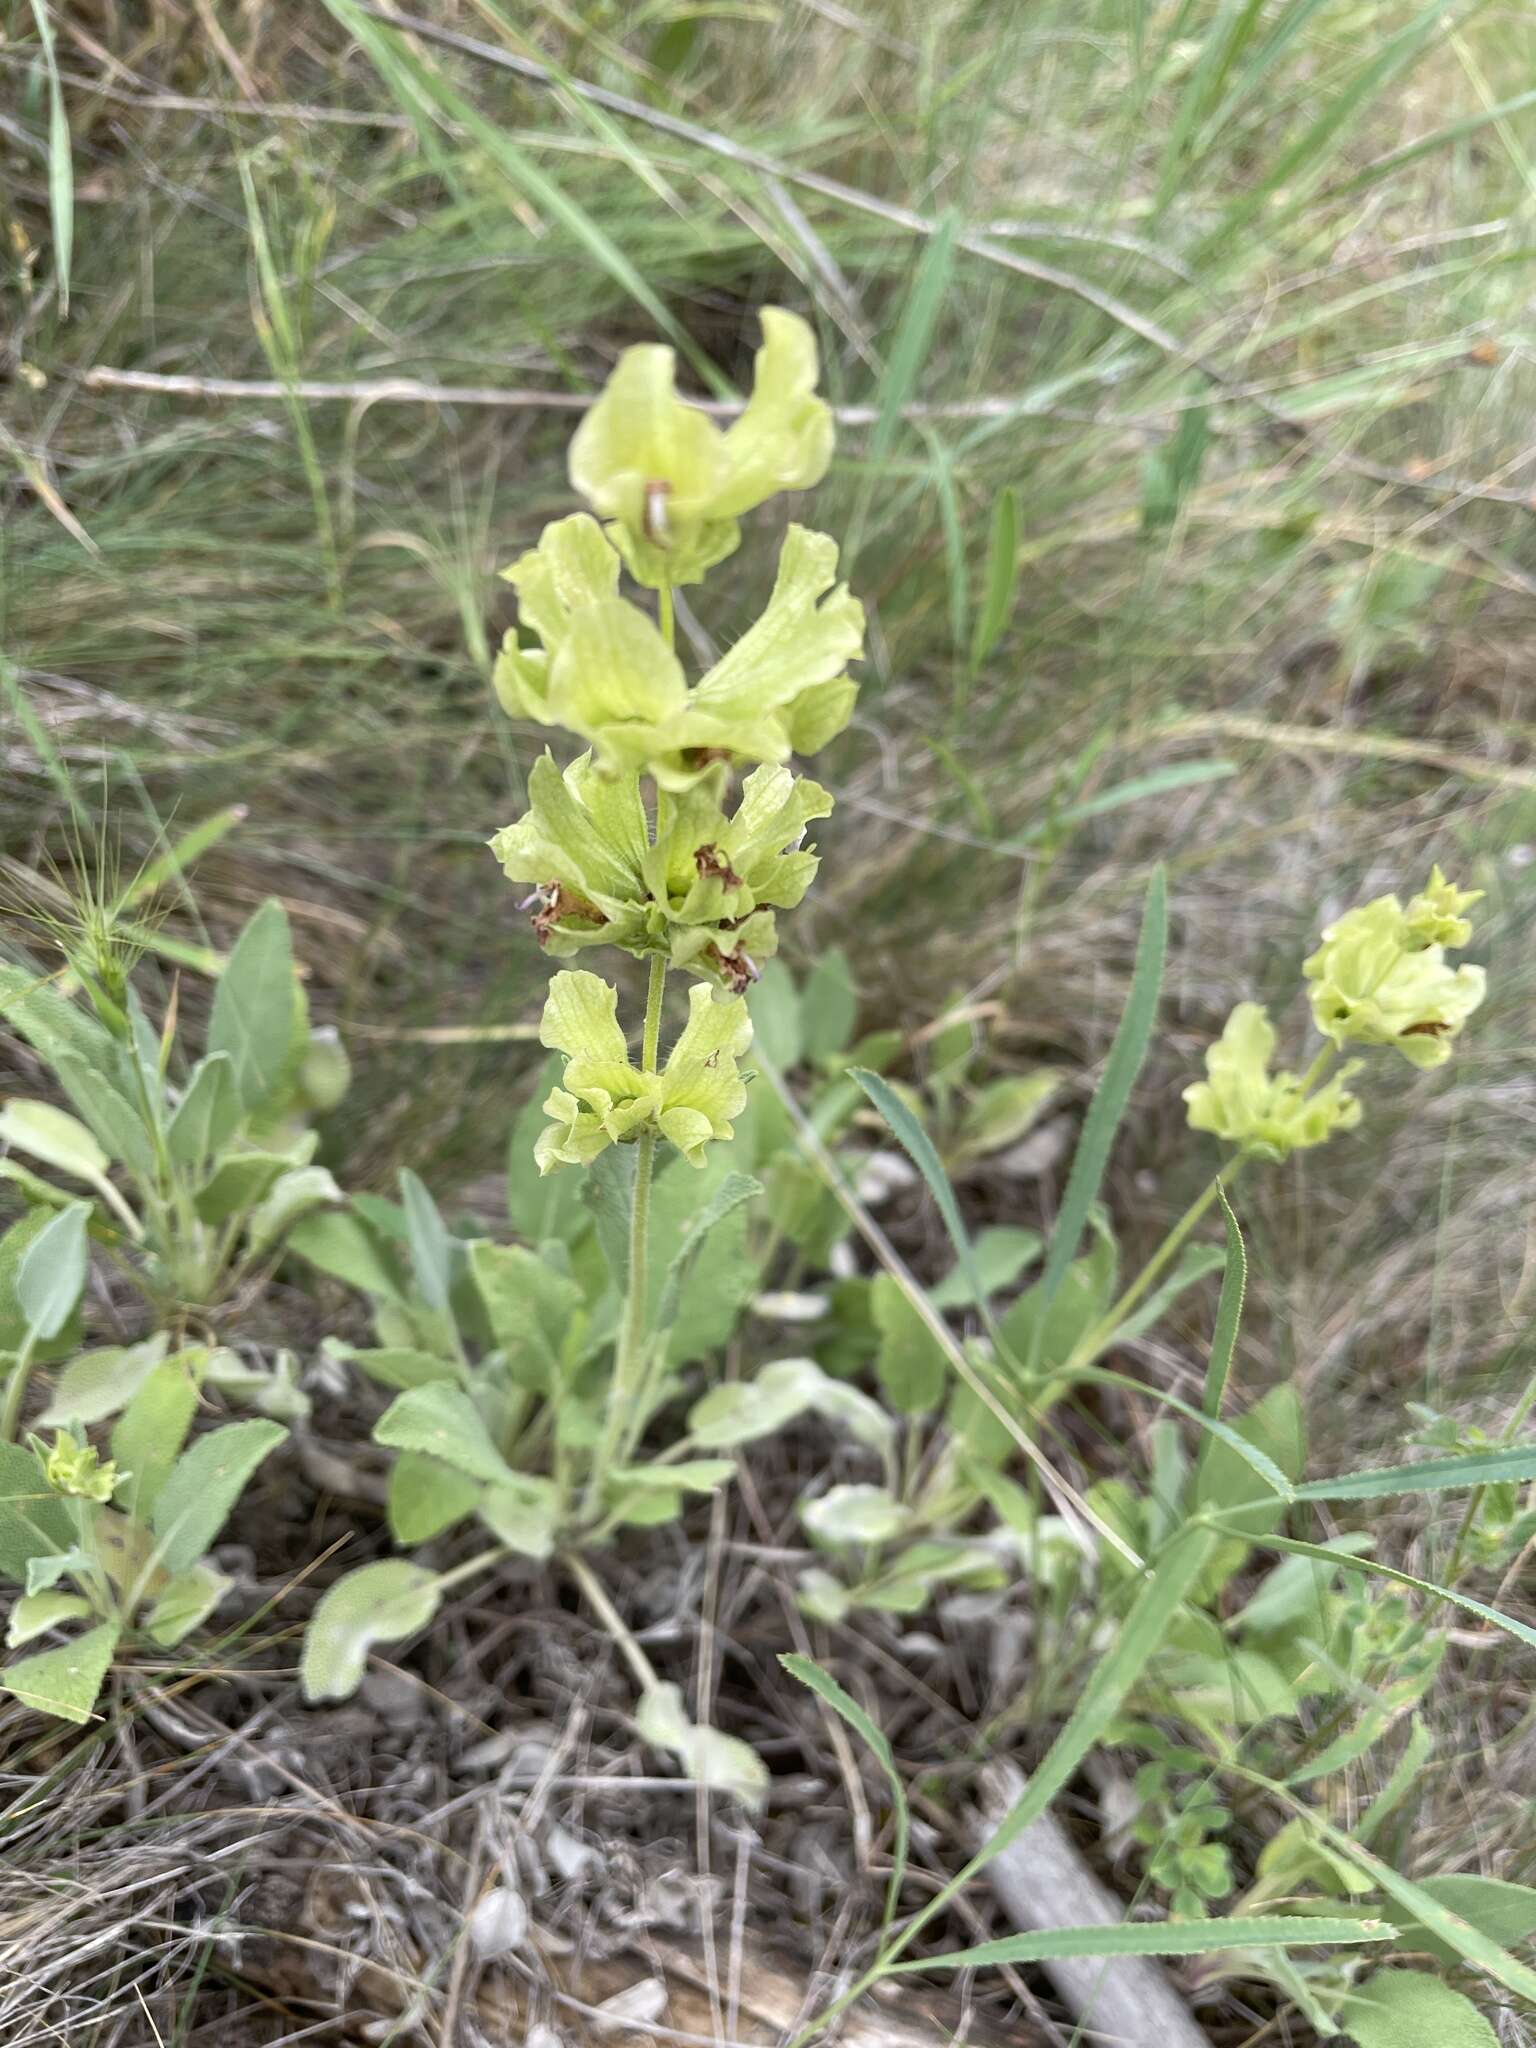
380,1603
1407,2009
33,1521
207,1116
102,1383
184,1603
53,1136
51,1276
524,1513
203,1486
426,1497
444,1422
152,1429
66,1681
35,1613
252,1018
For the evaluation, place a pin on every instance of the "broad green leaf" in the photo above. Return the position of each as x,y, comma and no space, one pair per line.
609,1193
339,1244
1225,1480
1407,2009
733,1190
1002,1112
203,1486
1295,1590
445,1423
1370,1567
855,1514
1460,1936
290,1196
1002,1254
1505,1912
774,1007
718,1761
51,1276
530,1307
102,1383
54,1136
152,1429
1158,1938
426,1497
50,1022
238,1183
252,1018
394,1365
117,1122
35,1613
829,1006
1051,1329
379,1603
66,1681
184,1603
33,1521
14,1246
1431,1475
431,1247
714,1290
1126,1053
826,1687
541,1206
911,1367
206,1117
524,1512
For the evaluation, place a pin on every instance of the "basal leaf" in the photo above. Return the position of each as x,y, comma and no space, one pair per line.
66,1681
379,1603
252,1018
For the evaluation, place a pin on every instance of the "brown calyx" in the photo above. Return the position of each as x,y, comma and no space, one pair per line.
559,905
709,860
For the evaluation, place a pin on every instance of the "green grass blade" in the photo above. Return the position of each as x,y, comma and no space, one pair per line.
172,865
426,93
1157,1938
1002,577
1110,1098
1143,1629
1229,1312
1160,782
1369,1567
61,171
1468,1941
826,1687
1432,1475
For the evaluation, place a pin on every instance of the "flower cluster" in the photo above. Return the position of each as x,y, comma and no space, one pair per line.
645,841
1380,977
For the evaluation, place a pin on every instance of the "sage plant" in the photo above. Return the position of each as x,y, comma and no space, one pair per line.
646,841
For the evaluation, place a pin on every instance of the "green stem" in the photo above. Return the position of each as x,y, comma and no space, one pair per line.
613,1622
16,1390
629,1358
665,615
1089,1346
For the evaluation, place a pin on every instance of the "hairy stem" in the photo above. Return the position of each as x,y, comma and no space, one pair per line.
16,1391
